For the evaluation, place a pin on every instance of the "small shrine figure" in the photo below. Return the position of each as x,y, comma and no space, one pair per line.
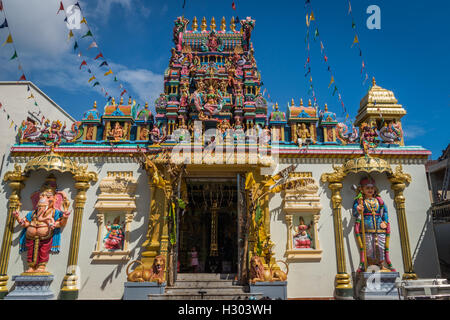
194,259
117,132
372,226
143,134
368,137
114,238
265,134
224,127
42,226
302,240
303,135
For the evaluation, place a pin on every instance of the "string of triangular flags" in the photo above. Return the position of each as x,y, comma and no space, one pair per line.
9,40
99,57
8,117
310,19
356,44
307,65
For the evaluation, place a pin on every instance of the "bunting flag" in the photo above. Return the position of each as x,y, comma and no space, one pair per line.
31,96
70,35
84,19
99,56
311,17
115,79
335,89
123,92
355,40
83,64
93,45
108,72
61,7
14,56
96,83
8,40
92,78
88,34
75,47
233,5
104,63
331,82
4,24
1,5
23,77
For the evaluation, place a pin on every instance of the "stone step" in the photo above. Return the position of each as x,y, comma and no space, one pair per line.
205,276
218,296
213,290
204,284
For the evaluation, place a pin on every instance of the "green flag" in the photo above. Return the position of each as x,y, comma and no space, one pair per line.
96,83
335,89
88,34
75,46
14,56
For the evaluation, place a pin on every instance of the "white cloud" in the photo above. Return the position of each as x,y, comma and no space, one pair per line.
413,131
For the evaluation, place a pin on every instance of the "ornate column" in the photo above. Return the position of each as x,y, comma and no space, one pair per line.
214,249
398,183
16,183
152,245
343,286
164,244
82,178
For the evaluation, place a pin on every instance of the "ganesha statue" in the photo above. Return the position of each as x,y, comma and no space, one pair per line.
41,234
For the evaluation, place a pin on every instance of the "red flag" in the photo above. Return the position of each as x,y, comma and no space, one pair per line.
233,6
83,64
1,5
326,58
61,7
23,77
98,56
123,92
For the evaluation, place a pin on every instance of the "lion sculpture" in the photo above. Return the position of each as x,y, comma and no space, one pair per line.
259,273
156,274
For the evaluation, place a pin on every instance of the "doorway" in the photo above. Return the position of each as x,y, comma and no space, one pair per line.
208,228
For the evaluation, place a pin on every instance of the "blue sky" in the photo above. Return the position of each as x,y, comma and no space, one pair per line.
408,55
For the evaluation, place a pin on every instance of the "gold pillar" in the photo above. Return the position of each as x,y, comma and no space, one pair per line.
398,183
16,183
343,286
82,178
214,249
164,244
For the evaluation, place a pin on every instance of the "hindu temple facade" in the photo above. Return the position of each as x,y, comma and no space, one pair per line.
216,172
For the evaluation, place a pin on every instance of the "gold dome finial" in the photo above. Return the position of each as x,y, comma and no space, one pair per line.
223,25
292,102
121,101
113,101
129,101
373,82
194,24
301,102
326,107
276,106
232,25
95,104
309,103
146,105
213,24
203,25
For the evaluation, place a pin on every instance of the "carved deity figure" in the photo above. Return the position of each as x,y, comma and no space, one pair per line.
303,135
368,137
117,132
114,238
302,239
143,134
372,228
42,226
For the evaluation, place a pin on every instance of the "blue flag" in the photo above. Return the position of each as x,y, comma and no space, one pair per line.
4,24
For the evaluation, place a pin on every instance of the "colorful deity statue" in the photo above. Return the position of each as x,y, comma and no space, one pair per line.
302,239
372,227
117,132
368,137
391,133
303,135
42,226
114,238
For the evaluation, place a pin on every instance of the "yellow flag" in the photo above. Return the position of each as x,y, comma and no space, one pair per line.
12,122
31,96
249,181
92,78
70,35
83,21
332,80
8,40
307,20
109,72
355,40
311,18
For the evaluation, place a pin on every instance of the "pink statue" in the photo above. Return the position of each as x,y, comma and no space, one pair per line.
42,226
302,239
114,237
